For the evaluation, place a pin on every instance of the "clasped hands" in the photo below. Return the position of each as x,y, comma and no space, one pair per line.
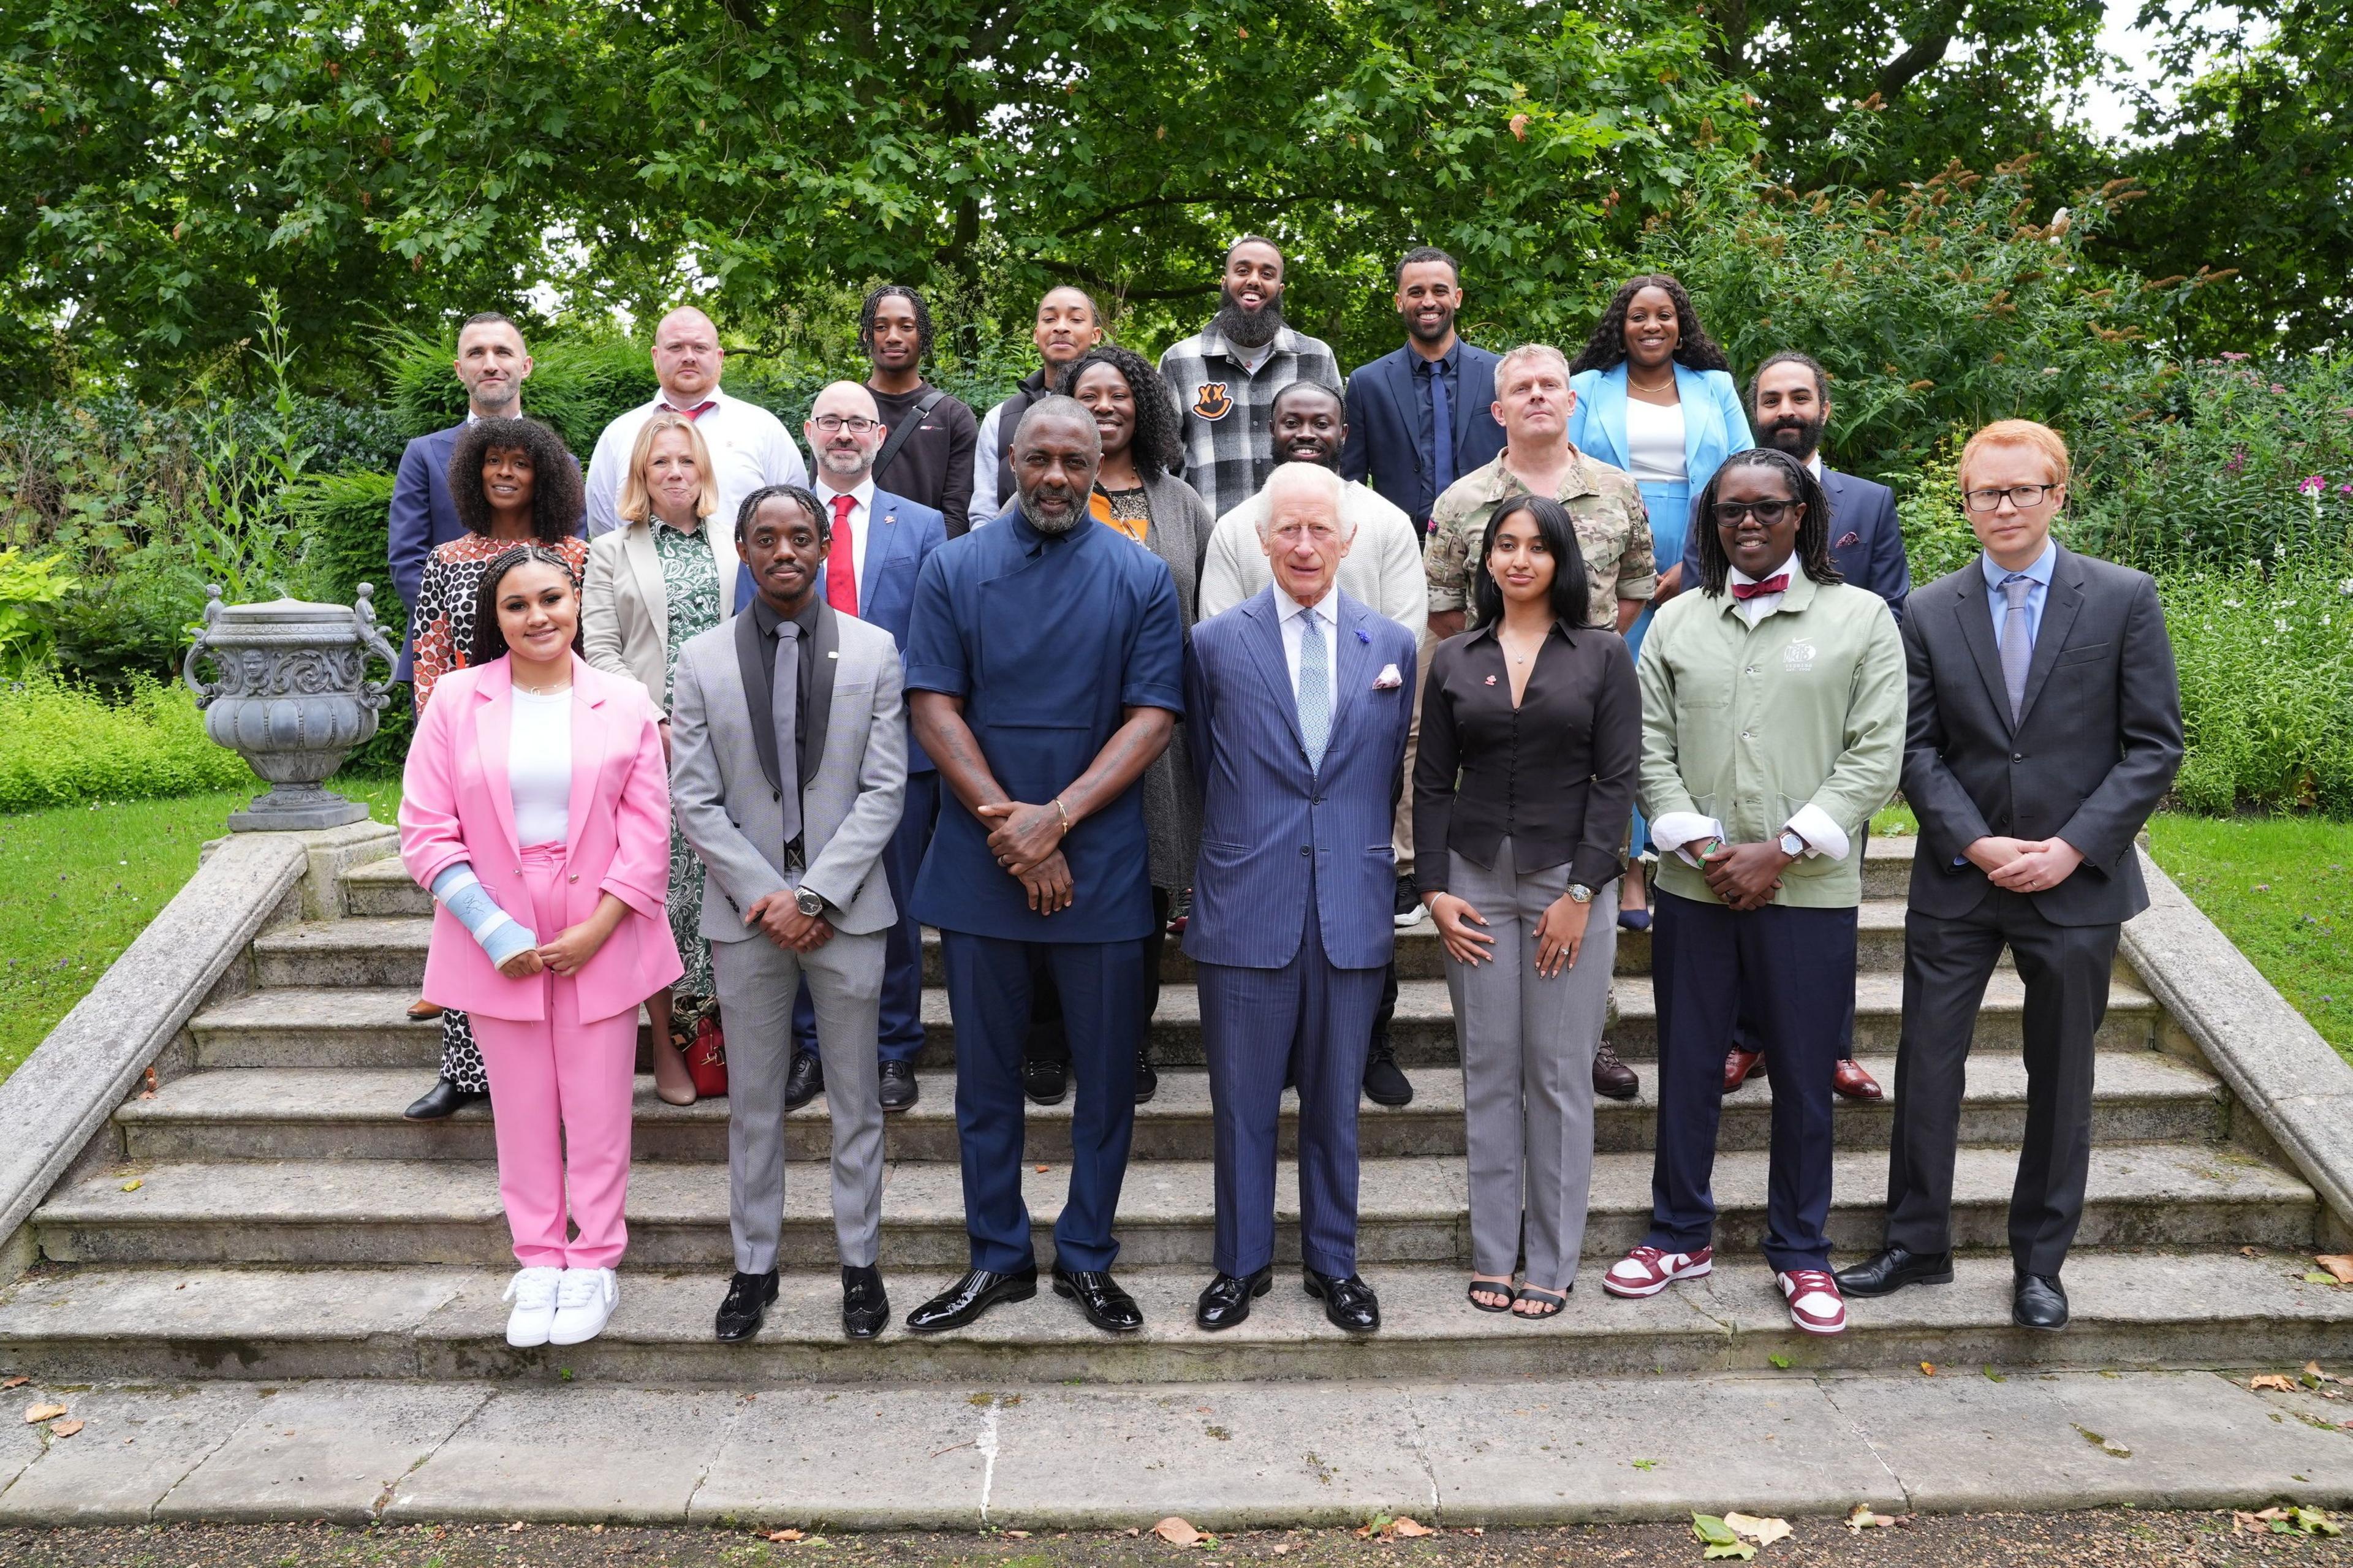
2025,865
1745,876
779,918
571,948
1028,843
1560,932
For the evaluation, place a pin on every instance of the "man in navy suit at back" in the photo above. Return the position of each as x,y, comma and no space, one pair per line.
1789,407
1423,416
1298,700
880,541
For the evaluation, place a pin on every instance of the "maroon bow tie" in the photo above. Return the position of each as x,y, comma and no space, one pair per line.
1777,582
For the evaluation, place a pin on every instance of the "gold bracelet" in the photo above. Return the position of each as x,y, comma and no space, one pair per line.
1066,816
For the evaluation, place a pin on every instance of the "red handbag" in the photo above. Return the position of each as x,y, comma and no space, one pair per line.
706,1058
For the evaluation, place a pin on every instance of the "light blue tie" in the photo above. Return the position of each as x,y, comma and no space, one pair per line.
1315,690
2016,645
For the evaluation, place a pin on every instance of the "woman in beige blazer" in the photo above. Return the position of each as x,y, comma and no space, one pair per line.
653,582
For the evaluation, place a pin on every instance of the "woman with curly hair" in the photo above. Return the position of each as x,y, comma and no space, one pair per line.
512,483
1655,397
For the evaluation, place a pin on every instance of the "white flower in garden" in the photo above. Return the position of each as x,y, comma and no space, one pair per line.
2345,587
2279,623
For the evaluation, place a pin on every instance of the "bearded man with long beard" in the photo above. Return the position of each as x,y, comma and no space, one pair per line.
1226,377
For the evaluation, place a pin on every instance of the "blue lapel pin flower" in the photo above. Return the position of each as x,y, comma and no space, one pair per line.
1363,637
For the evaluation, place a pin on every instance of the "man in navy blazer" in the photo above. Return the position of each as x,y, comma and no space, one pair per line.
491,364
1398,405
880,541
1298,701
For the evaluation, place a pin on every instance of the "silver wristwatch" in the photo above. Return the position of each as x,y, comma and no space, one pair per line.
1580,893
812,904
1792,844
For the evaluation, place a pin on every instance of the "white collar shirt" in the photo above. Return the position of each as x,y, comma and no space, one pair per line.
862,508
1321,619
1763,605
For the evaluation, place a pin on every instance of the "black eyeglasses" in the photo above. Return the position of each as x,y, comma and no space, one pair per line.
2021,496
1728,513
857,425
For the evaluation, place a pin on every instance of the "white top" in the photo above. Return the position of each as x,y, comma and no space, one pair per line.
1654,441
864,496
986,502
539,767
1382,570
1297,621
749,448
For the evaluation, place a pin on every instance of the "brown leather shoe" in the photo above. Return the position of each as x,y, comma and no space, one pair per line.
421,1009
1613,1079
1740,1066
1851,1081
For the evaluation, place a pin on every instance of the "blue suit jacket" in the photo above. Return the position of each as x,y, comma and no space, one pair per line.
1714,424
1271,828
1382,421
1866,541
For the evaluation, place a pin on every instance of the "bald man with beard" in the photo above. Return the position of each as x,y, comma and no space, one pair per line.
750,448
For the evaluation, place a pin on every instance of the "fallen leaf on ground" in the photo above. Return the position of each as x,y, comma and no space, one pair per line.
64,1428
1175,1532
1762,1529
2278,1382
1017,1535
2315,1276
783,1535
1042,1169
1718,1538
2314,1377
1409,1528
2338,1264
1927,1368
37,1414
19,1380
1859,1519
133,1185
1280,1550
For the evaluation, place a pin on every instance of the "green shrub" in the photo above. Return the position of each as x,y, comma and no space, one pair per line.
345,520
1936,536
2266,688
60,745
129,623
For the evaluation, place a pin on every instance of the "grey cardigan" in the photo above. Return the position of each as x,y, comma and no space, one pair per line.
1180,535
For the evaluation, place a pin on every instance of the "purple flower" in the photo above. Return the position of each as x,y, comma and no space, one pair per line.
2238,460
2313,484
2232,356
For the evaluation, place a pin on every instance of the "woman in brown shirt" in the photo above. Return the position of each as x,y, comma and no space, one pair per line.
1531,734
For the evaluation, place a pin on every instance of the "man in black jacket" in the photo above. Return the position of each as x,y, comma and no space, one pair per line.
928,437
2045,726
1068,325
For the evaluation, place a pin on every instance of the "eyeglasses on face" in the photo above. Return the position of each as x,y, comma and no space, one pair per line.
1728,513
856,423
2021,496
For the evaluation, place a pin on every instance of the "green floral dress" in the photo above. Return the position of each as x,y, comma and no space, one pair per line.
690,583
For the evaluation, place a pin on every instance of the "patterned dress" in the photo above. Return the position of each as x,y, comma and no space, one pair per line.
691,585
443,626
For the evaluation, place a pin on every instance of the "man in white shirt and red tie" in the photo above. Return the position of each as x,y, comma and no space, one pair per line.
880,541
750,448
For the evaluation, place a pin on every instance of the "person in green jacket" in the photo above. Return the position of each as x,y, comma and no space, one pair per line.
1773,706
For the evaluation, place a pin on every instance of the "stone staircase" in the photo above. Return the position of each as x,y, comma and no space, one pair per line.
271,1215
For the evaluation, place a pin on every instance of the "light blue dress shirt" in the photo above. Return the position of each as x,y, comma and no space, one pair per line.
2039,571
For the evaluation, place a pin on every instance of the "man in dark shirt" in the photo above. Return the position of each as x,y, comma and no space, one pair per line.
1398,405
928,437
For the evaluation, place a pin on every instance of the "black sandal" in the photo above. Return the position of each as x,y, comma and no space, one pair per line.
1492,1287
1552,1302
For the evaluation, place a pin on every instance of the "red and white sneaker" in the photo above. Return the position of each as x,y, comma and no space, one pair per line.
1815,1304
1646,1270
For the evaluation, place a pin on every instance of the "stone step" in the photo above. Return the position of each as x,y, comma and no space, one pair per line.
365,1027
313,1114
2131,1309
1410,1210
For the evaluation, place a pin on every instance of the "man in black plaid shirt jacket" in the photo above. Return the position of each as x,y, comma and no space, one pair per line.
1226,376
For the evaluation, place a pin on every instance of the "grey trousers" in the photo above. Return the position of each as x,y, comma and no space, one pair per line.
757,982
1527,1046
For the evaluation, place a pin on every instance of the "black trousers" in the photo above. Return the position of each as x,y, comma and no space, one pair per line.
1747,1034
1947,963
1047,1041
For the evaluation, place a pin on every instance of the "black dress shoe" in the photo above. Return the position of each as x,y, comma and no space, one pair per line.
444,1098
1893,1269
865,1308
898,1085
1349,1303
748,1295
1045,1081
968,1298
1098,1295
806,1081
1226,1301
1385,1083
1147,1078
2040,1302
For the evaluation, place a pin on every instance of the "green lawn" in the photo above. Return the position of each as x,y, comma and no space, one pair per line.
78,883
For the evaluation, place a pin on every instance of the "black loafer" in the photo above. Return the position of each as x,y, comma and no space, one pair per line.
898,1085
806,1081
1147,1078
1044,1081
748,1295
865,1307
1349,1303
1098,1295
968,1298
444,1098
1226,1301
2038,1302
1384,1082
1892,1269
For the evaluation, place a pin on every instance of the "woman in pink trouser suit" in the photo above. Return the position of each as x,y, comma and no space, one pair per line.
557,1021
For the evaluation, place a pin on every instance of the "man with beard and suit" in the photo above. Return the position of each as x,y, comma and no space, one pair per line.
1422,416
1068,325
1046,660
1790,402
1225,377
2045,725
795,701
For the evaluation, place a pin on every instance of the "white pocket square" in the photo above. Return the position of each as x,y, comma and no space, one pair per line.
1388,680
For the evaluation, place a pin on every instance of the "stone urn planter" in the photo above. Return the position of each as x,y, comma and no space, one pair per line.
289,694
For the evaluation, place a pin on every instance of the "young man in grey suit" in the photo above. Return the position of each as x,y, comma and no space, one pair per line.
2045,726
788,771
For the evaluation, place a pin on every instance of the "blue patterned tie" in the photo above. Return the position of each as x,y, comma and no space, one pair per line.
1315,690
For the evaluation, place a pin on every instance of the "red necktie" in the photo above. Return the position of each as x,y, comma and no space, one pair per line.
1776,583
840,566
697,412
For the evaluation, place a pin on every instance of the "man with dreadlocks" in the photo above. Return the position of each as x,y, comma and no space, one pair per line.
1773,704
928,437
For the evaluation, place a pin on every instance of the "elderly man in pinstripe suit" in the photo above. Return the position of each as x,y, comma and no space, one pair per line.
1298,701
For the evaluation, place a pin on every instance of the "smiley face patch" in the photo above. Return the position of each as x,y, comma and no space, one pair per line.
1211,402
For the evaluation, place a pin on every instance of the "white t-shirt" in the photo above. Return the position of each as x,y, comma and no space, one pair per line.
1655,442
749,448
539,766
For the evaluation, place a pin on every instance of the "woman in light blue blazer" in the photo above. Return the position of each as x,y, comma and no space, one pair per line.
1655,397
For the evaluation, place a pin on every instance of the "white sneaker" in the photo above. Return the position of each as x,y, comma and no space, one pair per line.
583,1305
532,1291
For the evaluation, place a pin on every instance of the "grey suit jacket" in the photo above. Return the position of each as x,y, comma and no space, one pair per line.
851,790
